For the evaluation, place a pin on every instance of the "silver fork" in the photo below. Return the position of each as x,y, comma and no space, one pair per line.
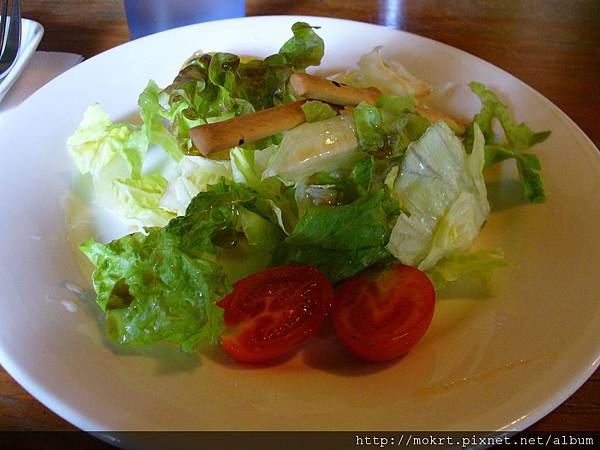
11,29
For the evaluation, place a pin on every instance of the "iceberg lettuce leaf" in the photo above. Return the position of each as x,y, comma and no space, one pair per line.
443,193
98,143
309,148
390,77
476,264
139,199
316,110
193,174
113,155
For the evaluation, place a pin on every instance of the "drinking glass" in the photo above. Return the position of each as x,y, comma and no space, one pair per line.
151,16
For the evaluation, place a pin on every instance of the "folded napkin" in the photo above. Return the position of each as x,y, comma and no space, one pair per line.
43,67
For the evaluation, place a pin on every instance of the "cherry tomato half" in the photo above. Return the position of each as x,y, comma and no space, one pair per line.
380,314
269,314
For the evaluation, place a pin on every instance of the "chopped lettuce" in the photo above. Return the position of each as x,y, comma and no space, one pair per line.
153,126
390,77
519,138
335,188
113,155
315,110
163,284
208,88
193,175
341,240
312,147
259,232
140,198
305,49
443,193
151,290
390,126
476,264
99,146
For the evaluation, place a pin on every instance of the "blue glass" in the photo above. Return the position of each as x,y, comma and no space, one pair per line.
151,16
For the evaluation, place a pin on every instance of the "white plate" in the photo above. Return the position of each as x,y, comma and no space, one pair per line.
31,35
496,360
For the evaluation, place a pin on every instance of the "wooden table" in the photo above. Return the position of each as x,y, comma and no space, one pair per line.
553,46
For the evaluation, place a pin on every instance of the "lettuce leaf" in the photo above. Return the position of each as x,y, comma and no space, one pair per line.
273,200
246,169
390,126
389,76
336,188
305,49
98,145
336,264
519,138
139,199
153,126
443,193
152,290
369,126
113,155
313,147
477,264
163,284
341,240
316,110
259,232
193,174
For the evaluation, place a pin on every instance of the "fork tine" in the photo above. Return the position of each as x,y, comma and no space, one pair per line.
13,39
3,14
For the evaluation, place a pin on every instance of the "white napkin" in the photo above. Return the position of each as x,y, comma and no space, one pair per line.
42,67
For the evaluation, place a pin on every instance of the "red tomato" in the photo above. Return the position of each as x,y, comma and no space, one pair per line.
270,313
380,314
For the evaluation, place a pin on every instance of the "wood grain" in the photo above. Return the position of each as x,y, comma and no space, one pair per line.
554,46
84,27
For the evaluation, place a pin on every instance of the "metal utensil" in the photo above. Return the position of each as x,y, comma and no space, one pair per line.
11,29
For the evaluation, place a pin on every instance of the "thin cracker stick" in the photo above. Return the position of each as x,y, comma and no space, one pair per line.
213,137
310,86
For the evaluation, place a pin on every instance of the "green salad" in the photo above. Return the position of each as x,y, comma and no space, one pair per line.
350,187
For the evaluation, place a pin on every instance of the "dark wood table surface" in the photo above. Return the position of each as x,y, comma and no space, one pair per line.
554,46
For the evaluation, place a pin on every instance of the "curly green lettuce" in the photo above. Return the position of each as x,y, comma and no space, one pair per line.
163,284
518,139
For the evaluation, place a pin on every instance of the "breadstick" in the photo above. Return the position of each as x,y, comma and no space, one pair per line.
329,91
317,88
217,136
